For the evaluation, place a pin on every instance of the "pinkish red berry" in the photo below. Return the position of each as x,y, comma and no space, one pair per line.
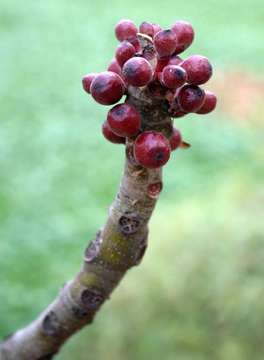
209,103
198,68
110,136
107,88
190,98
125,29
175,60
87,80
124,51
175,139
173,76
124,120
115,67
137,71
165,42
185,35
146,28
152,149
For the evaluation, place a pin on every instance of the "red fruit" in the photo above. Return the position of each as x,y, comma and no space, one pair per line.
110,136
115,67
125,29
175,60
137,71
146,28
173,76
124,120
87,80
209,103
165,42
190,98
185,35
107,88
175,139
124,51
198,68
152,149
156,28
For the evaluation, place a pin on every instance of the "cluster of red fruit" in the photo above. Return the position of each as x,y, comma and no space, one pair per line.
163,73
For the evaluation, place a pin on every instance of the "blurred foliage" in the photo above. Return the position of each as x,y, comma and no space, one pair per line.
198,293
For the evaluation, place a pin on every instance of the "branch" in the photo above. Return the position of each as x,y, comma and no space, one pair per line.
120,245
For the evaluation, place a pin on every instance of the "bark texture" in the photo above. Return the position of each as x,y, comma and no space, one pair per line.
118,246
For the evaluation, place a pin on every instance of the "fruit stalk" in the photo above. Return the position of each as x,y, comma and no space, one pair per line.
119,246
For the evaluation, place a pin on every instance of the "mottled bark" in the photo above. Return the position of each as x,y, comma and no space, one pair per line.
117,247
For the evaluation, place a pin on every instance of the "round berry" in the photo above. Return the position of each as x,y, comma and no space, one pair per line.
124,51
175,139
175,60
198,68
146,28
190,98
152,149
165,42
115,67
173,76
137,71
110,136
125,29
185,35
124,120
87,80
209,104
107,88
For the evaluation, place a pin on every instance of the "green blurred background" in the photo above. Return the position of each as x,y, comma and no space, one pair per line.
199,293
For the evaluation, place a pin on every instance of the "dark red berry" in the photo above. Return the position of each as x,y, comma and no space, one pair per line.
124,120
87,80
198,68
190,98
175,139
209,103
165,42
115,67
173,76
146,28
152,149
175,60
156,28
124,51
110,136
137,71
125,29
107,88
185,35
